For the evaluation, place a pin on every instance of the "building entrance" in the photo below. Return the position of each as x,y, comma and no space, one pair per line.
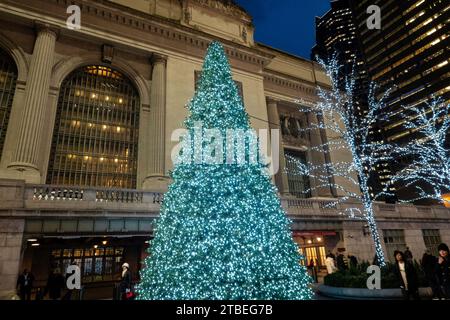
314,245
100,261
314,255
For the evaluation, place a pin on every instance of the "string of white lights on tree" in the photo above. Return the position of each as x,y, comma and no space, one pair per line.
348,132
429,169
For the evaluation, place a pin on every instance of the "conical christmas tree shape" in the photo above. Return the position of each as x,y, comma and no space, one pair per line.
222,233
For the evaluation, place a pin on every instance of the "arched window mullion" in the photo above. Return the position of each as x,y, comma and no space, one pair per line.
102,149
76,82
132,123
67,134
110,148
8,81
121,117
82,137
87,133
79,94
122,178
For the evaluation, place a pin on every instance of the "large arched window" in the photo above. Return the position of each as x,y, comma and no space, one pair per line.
8,78
95,140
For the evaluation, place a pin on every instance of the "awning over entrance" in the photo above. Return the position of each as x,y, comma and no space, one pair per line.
313,233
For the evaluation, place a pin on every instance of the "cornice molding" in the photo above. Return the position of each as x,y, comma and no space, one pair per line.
157,26
280,80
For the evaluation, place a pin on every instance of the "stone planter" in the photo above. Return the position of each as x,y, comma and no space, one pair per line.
366,294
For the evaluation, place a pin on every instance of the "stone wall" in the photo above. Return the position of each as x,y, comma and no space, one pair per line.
356,243
11,234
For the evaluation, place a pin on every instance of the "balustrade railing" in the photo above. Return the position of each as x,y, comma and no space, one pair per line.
47,192
100,195
91,197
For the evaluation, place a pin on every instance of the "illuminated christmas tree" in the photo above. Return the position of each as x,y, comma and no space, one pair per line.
222,233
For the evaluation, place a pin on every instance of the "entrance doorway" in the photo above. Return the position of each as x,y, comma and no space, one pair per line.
314,254
313,246
99,258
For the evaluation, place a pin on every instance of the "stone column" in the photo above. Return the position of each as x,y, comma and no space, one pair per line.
156,178
318,158
26,154
281,180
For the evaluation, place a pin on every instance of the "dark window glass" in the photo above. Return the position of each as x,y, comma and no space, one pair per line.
432,239
299,185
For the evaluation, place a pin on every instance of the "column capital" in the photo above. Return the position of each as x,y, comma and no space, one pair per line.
270,100
158,58
46,27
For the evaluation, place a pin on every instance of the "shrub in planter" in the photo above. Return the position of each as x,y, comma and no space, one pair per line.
357,277
346,279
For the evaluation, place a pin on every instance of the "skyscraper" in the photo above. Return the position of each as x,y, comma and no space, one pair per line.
336,36
410,54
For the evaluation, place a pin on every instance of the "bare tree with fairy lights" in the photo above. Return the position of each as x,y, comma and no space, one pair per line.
428,172
349,131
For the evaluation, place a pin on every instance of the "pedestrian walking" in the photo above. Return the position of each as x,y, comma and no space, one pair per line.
329,263
408,255
407,276
353,262
55,284
25,284
342,262
428,264
443,270
330,254
126,289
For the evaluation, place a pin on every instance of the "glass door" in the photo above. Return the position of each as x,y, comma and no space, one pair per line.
316,254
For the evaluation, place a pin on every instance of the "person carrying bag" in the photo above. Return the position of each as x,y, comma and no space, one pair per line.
126,288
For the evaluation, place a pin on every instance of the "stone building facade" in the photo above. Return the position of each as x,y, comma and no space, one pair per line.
87,117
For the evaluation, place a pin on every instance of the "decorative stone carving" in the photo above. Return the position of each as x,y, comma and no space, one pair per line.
107,53
226,6
244,34
187,15
291,129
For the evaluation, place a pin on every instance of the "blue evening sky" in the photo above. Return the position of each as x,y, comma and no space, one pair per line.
287,25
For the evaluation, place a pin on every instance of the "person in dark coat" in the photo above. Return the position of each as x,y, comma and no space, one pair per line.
25,284
312,269
353,262
429,265
408,255
407,276
126,281
55,284
443,270
342,262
